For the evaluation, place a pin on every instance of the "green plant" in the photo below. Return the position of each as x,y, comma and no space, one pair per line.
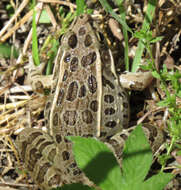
99,164
166,78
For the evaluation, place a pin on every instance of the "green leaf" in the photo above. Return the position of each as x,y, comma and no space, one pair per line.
97,161
99,164
146,25
44,18
156,74
137,157
157,182
157,39
80,7
74,186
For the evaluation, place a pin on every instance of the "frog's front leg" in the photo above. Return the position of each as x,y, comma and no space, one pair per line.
136,81
37,80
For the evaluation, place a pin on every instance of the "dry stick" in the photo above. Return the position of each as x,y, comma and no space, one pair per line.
15,185
51,16
21,22
21,7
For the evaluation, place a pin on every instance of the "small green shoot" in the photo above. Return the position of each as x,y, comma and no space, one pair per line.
51,55
66,20
146,25
34,39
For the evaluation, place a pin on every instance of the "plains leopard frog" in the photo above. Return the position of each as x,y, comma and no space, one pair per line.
86,100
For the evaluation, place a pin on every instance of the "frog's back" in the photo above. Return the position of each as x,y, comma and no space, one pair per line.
87,99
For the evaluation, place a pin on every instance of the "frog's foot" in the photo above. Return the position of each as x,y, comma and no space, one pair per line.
154,135
38,81
136,81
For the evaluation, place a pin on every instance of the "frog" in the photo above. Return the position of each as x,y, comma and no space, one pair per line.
86,99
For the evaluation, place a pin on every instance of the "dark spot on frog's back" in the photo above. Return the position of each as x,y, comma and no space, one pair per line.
76,172
107,82
70,117
82,31
65,76
58,138
87,117
74,64
88,59
92,84
88,40
72,91
72,41
67,57
82,91
60,97
108,98
111,124
73,165
55,119
109,111
65,155
94,105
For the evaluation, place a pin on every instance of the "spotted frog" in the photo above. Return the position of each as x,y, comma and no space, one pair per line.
86,100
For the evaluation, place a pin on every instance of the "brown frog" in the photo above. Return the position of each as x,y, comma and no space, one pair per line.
86,100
